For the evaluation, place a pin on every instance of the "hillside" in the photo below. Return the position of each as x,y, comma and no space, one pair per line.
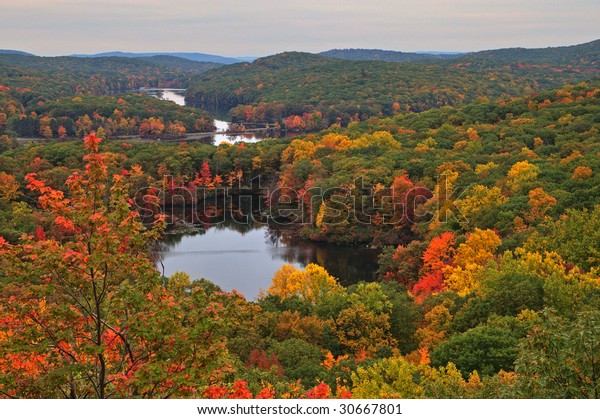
181,63
16,52
58,97
83,66
583,55
192,56
335,90
70,75
488,288
382,55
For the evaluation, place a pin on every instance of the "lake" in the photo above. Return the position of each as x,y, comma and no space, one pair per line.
245,255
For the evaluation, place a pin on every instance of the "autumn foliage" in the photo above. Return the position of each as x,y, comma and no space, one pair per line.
83,311
482,223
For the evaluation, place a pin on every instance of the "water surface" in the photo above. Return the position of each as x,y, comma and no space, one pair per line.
245,257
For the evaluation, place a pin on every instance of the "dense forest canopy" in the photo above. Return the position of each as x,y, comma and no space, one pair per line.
329,90
485,206
383,55
67,97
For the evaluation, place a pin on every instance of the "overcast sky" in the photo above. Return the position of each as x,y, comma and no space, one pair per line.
263,27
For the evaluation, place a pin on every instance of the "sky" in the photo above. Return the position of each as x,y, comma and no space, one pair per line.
263,27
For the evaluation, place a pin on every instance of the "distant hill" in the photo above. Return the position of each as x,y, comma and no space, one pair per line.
193,56
181,63
334,89
588,54
52,77
15,52
248,59
81,66
383,55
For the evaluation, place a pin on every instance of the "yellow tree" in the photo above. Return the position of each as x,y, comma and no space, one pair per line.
391,378
471,258
298,150
443,204
437,322
9,187
520,174
479,201
335,142
309,284
539,204
582,172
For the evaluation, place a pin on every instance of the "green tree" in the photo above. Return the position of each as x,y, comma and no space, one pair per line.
484,349
561,357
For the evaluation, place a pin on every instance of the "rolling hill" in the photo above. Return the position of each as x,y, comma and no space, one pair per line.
382,55
193,56
294,83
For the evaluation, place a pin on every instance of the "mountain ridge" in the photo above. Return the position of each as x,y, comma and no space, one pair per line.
192,56
15,52
373,54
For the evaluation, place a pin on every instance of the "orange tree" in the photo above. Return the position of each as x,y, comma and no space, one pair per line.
83,312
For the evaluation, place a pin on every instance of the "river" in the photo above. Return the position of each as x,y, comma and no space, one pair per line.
245,255
178,96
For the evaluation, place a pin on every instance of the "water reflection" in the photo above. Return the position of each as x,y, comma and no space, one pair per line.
244,256
174,95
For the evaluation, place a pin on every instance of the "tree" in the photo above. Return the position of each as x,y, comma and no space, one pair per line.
205,179
364,326
9,187
175,129
151,127
62,132
84,125
575,237
403,199
484,349
539,204
437,323
443,204
293,325
299,359
520,174
391,378
85,309
479,202
404,315
309,284
438,255
294,123
582,172
561,357
361,330
471,257
401,264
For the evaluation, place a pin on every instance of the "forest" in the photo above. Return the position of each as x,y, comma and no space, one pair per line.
319,90
67,97
481,192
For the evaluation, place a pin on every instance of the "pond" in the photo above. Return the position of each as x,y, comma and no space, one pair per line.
245,255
